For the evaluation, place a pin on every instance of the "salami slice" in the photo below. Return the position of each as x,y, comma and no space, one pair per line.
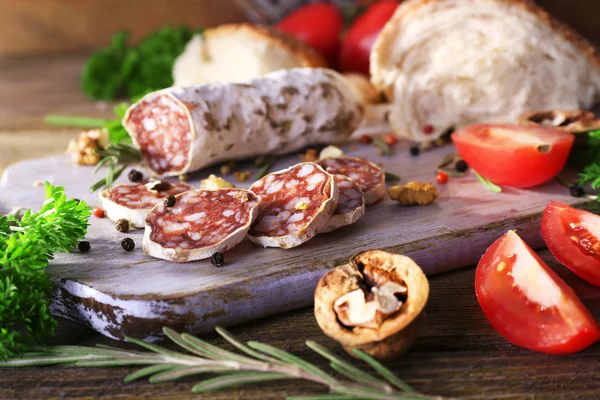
350,206
296,204
181,130
201,223
369,176
133,201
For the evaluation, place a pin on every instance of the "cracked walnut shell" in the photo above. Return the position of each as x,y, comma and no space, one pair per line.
414,193
374,303
574,121
83,147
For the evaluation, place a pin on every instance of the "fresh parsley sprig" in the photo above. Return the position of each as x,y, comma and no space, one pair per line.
256,362
591,159
26,246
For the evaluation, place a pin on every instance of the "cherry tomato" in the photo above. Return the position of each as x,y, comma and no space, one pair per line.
390,139
98,212
514,155
527,303
366,139
319,25
573,237
356,47
441,177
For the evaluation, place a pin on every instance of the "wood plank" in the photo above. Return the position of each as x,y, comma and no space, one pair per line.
458,354
45,26
121,293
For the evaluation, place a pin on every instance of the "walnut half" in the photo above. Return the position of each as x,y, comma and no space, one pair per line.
414,193
83,147
575,121
374,303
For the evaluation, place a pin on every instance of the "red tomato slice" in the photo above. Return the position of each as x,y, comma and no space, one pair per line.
527,303
573,238
356,47
319,25
514,155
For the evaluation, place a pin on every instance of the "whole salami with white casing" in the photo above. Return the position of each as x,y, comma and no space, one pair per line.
133,201
199,224
296,204
181,130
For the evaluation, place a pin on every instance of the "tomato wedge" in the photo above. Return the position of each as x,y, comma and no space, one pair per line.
573,237
527,303
514,155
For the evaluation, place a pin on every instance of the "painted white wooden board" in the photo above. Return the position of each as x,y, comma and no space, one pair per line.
119,293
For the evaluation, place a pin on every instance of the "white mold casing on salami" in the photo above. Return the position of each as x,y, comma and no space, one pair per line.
296,204
201,223
369,176
181,130
133,201
351,204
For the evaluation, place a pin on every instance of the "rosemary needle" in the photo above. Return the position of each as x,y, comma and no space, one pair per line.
259,363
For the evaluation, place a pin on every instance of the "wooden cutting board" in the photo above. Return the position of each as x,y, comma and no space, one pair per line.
119,293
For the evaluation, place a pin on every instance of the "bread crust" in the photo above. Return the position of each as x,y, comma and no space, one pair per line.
408,7
309,57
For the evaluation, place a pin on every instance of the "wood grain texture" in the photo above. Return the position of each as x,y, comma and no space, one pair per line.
459,354
46,26
131,294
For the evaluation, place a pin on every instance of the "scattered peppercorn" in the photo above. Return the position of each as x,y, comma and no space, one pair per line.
170,201
576,191
461,166
135,175
98,212
122,225
128,244
441,177
390,139
158,186
366,139
428,129
217,259
415,150
84,246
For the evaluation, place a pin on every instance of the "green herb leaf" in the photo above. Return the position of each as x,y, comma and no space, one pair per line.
489,185
123,70
236,379
383,147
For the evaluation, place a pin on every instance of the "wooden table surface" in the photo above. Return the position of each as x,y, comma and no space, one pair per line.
459,354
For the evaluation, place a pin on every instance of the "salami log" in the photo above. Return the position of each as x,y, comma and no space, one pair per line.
200,223
350,206
296,204
181,130
369,176
135,200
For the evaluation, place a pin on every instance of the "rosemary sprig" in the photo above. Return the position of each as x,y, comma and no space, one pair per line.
383,147
259,363
489,185
116,156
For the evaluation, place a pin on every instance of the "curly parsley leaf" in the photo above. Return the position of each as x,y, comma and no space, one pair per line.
122,70
26,246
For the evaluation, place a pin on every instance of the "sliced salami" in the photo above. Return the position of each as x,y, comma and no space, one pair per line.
181,130
350,206
369,176
201,223
133,201
296,204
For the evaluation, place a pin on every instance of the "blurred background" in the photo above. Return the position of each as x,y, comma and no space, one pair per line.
45,26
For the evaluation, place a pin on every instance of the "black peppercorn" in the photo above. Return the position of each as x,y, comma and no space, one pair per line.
128,244
461,166
415,150
577,191
84,246
217,259
122,225
135,175
170,201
